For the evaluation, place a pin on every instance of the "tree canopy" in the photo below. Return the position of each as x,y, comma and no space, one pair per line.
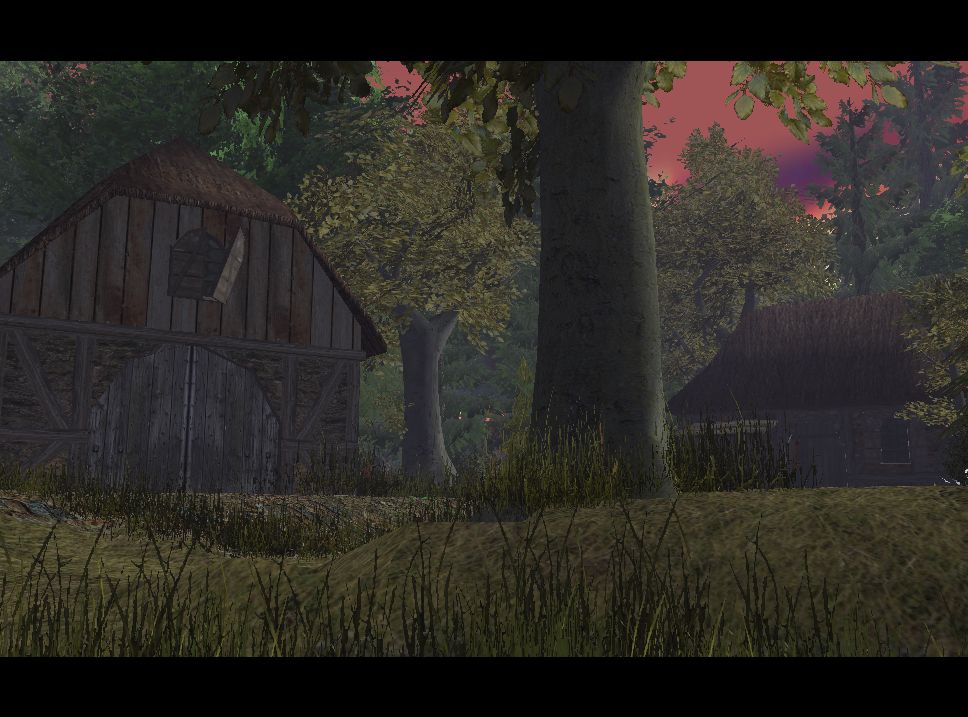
727,239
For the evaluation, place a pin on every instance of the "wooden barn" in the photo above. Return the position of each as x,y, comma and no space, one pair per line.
834,372
176,322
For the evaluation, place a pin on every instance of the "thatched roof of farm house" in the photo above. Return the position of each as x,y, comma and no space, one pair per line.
180,173
820,354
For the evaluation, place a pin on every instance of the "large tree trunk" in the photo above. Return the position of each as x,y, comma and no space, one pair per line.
599,345
421,346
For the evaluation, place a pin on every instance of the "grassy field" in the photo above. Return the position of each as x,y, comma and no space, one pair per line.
739,564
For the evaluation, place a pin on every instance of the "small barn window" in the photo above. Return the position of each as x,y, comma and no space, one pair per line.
201,268
895,445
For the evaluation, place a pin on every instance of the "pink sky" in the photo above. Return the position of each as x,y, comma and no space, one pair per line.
697,100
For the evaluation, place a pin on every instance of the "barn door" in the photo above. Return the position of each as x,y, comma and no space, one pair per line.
185,418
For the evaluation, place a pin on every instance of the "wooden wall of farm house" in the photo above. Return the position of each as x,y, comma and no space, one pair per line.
112,267
102,368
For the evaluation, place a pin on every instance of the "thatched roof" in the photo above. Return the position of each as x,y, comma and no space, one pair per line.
820,354
180,173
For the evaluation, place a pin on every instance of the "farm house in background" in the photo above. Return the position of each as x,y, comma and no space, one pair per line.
176,322
837,371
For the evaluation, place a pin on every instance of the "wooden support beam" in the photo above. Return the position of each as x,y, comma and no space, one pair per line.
46,454
172,337
317,410
35,373
41,435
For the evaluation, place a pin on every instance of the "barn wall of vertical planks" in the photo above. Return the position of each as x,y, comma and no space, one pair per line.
177,324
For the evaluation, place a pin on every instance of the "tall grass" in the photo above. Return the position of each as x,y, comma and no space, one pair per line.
539,600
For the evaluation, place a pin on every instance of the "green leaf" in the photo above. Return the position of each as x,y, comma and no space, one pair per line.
678,69
881,73
759,87
893,96
857,72
777,99
732,96
743,107
664,80
569,92
820,118
650,98
741,70
812,102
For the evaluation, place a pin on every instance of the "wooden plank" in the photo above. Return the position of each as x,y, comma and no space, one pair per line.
342,323
234,309
270,450
357,336
84,352
113,404
300,321
287,414
55,300
217,419
288,417
321,402
235,411
148,334
199,399
184,311
27,280
164,399
30,364
110,262
139,408
84,274
322,318
164,232
96,441
114,418
6,292
280,284
252,437
180,425
137,270
208,377
210,312
258,281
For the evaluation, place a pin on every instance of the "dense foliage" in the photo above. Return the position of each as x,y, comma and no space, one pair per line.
893,200
420,229
728,239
